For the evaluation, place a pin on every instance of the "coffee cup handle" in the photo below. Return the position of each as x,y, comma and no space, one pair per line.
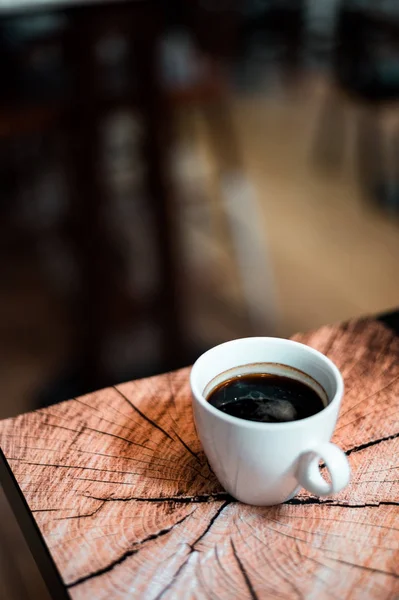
335,460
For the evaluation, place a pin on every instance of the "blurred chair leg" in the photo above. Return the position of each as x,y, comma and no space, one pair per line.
329,145
370,152
243,220
157,132
395,165
389,189
87,230
91,248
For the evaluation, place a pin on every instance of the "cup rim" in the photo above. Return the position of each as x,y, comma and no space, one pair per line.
199,397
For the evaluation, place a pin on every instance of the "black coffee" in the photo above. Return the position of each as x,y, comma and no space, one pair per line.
266,398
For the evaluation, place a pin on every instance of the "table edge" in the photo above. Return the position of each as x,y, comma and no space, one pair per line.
31,532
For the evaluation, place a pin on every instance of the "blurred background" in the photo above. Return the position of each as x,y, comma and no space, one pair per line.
175,174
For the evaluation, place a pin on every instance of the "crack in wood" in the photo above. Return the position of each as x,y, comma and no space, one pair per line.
382,389
150,421
187,447
40,510
173,398
99,415
94,512
193,549
83,468
244,573
86,428
222,566
126,554
211,522
126,482
134,459
308,500
329,502
57,426
364,567
372,443
224,496
218,496
119,437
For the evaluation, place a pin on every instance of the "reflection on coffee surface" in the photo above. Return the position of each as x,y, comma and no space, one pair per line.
266,398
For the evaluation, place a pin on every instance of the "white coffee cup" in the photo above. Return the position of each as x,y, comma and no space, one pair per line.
267,463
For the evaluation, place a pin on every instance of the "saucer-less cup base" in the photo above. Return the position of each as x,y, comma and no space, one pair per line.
267,463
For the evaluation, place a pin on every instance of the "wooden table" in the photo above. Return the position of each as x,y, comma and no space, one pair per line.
117,500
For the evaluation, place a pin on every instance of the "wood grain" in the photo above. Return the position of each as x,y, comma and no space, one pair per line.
129,508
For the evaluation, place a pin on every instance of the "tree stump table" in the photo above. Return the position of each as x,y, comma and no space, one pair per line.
117,499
